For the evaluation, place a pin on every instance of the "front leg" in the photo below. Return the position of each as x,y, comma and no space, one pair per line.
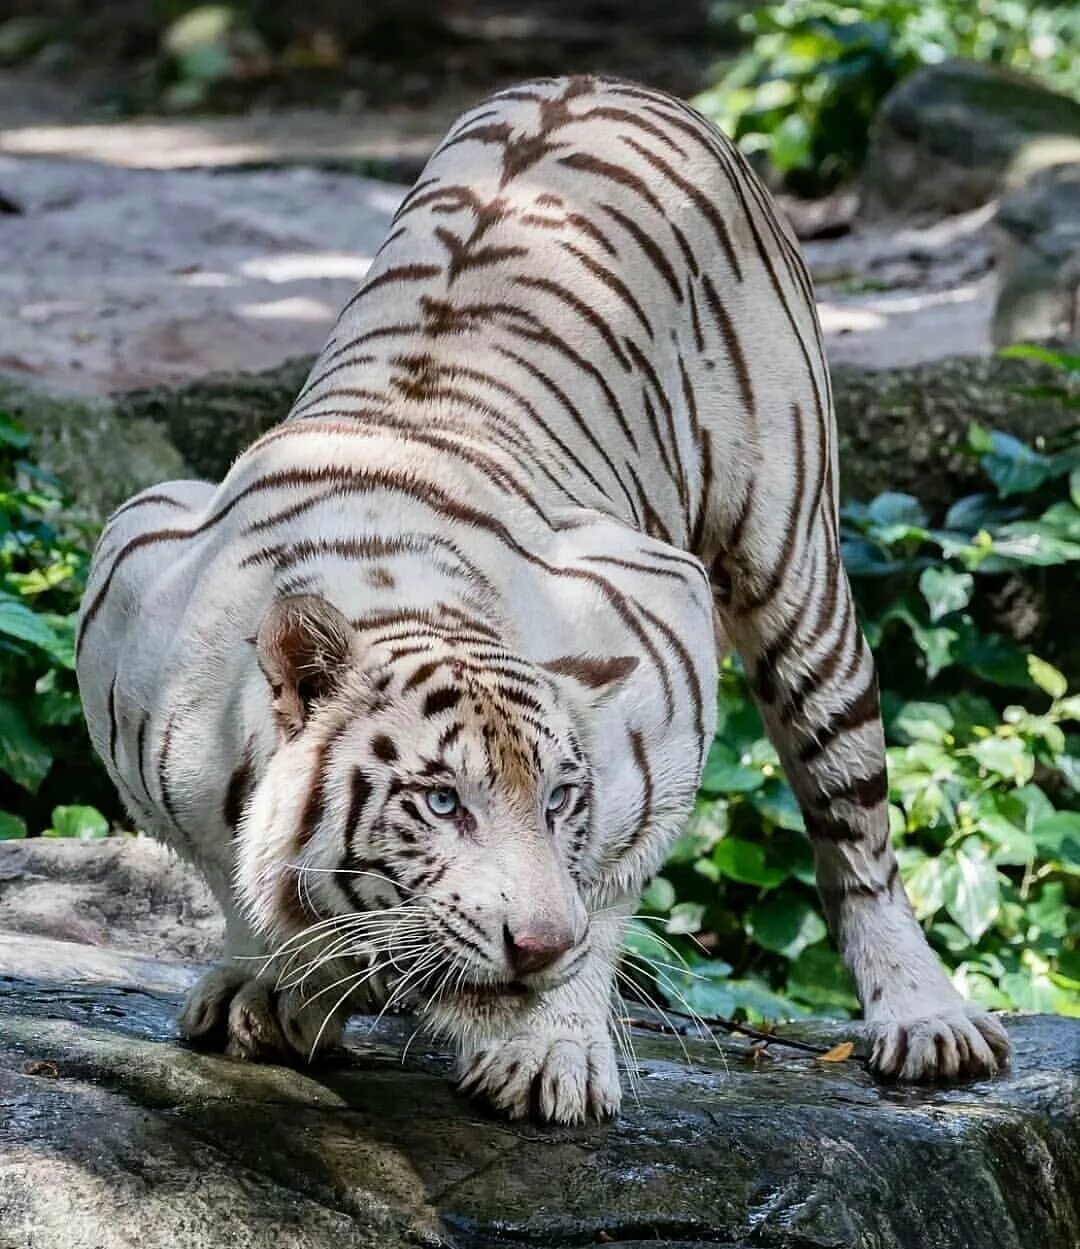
557,1061
261,1008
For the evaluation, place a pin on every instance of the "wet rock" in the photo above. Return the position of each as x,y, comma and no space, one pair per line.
1039,259
112,1134
952,136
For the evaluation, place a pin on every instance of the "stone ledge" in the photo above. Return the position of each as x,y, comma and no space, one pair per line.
112,1134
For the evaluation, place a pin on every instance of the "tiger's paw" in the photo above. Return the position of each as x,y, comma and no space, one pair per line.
960,1044
558,1078
232,1011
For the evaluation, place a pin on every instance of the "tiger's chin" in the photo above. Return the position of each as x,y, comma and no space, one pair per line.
480,1010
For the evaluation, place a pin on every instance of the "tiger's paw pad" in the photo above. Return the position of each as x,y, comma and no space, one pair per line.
962,1044
556,1079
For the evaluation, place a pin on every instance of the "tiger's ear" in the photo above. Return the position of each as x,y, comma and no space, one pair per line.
598,677
304,647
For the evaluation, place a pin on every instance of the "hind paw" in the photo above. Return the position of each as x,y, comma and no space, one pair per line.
959,1044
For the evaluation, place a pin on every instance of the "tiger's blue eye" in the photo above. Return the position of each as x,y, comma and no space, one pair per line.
558,799
443,802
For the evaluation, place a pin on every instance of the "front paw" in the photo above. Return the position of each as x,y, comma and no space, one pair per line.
558,1078
232,1011
958,1044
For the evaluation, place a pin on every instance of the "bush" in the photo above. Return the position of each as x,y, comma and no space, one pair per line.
984,772
45,757
803,95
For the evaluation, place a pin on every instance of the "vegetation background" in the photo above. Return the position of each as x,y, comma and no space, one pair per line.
966,607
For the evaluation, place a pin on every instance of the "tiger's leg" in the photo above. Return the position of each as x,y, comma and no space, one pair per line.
258,1008
813,677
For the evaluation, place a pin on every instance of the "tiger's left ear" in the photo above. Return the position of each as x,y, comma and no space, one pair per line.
305,647
599,677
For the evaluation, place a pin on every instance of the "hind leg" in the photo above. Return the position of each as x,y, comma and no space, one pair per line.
814,680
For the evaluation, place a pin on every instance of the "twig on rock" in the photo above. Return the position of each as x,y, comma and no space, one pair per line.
731,1027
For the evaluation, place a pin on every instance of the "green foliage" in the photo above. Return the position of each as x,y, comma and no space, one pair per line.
804,93
984,771
44,555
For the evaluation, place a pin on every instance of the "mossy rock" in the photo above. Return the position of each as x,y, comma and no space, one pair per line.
899,429
952,137
905,429
101,457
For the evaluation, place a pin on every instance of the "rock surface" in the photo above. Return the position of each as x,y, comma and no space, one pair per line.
112,1134
1039,259
130,893
114,279
952,136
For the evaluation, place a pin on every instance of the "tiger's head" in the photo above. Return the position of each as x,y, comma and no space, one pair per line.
427,810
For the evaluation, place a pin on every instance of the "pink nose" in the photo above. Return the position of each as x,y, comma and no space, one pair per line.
536,947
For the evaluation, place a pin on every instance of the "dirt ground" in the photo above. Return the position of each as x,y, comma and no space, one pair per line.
133,253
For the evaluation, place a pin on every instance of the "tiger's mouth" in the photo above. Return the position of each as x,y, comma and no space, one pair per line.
494,991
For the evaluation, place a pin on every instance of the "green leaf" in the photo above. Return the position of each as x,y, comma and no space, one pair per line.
1049,912
19,621
1013,467
85,823
1046,677
703,988
777,804
931,884
1012,846
686,917
659,895
945,590
22,756
897,509
819,978
725,774
784,924
744,861
12,434
974,513
12,828
923,722
976,894
1058,837
758,1000
1008,757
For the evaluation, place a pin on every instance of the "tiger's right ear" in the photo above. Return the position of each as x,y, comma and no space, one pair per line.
304,647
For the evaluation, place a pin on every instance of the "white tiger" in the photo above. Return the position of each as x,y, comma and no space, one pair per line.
425,685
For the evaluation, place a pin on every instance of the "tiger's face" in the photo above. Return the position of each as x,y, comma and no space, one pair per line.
427,812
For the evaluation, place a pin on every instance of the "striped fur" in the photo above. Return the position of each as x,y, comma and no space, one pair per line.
576,416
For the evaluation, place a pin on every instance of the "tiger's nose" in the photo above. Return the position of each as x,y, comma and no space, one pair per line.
533,948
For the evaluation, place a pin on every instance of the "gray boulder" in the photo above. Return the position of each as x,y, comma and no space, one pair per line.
1039,259
953,136
113,1134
